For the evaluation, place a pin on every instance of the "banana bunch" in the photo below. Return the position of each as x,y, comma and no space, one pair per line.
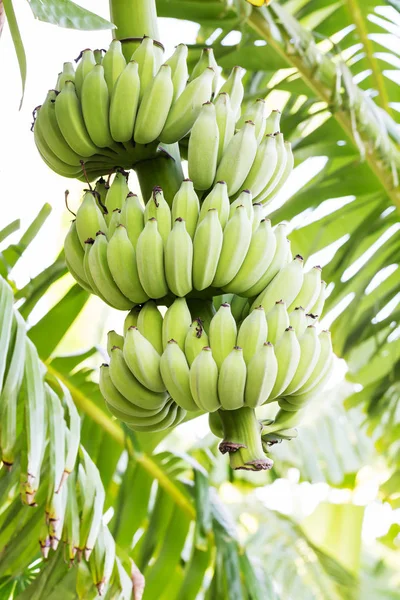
191,361
111,112
127,253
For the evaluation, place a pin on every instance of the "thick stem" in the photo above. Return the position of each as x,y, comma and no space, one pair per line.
134,19
242,439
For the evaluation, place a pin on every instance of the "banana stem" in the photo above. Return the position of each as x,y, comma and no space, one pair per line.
133,19
164,171
201,309
242,440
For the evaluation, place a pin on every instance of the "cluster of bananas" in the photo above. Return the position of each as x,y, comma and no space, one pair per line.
165,366
127,253
109,112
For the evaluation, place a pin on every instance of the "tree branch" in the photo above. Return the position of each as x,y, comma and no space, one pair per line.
319,72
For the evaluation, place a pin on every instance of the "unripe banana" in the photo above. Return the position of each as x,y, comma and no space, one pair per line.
132,217
88,246
186,108
175,374
223,298
154,107
218,198
298,320
124,103
86,64
127,384
257,260
70,120
203,148
238,158
319,304
179,259
150,261
232,380
176,323
113,63
263,167
310,290
252,333
158,208
150,323
89,219
322,367
255,113
143,360
132,317
258,215
186,205
277,321
206,59
179,70
289,164
244,199
204,381
171,416
121,259
261,376
234,87
96,107
207,246
299,400
278,262
117,193
144,55
114,222
223,332
310,349
74,253
272,122
114,339
225,117
281,159
52,132
283,420
239,306
196,339
285,285
236,242
287,352
67,74
116,402
102,277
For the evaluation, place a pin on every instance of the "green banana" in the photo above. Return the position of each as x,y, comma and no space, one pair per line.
186,205
89,219
158,208
298,320
244,199
114,339
96,107
263,167
252,333
154,107
114,222
265,198
113,64
203,148
176,323
232,380
150,323
310,290
132,317
117,192
321,368
239,306
150,261
179,259
74,252
70,120
132,217
285,285
258,215
102,277
207,246
317,308
238,158
144,55
255,113
207,59
175,373
225,117
236,242
129,386
277,321
272,124
234,87
257,260
223,332
124,103
196,339
143,360
67,74
261,376
179,70
121,257
86,64
116,402
287,352
47,120
218,198
204,381
281,160
310,349
186,108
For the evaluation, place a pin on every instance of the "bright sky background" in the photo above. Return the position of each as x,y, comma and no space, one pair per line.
26,184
